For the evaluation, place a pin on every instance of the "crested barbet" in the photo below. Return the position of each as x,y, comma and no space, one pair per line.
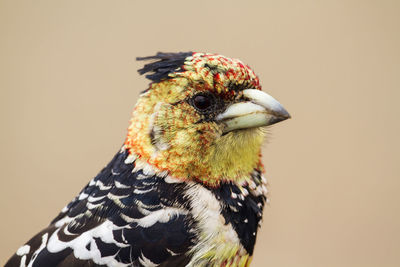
187,186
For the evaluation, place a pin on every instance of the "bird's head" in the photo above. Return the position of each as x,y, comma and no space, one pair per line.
202,117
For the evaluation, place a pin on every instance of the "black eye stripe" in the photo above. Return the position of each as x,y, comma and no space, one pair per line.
207,105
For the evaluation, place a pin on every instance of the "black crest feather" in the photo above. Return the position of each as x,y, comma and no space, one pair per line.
164,64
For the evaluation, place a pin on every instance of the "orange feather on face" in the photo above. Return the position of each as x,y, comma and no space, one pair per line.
171,131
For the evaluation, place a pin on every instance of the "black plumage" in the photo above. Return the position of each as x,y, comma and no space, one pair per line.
160,242
119,192
164,64
244,212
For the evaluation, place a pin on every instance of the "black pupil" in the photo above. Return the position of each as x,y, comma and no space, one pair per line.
202,101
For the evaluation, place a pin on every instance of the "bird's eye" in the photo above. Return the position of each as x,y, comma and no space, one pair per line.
203,101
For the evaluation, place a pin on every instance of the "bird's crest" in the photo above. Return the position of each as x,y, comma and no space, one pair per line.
164,64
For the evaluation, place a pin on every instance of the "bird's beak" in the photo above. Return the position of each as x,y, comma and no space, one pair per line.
260,109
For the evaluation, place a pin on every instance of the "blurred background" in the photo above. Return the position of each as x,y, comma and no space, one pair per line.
68,83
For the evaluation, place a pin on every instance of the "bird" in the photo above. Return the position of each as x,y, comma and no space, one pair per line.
187,187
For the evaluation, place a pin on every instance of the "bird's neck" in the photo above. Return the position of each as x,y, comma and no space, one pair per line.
232,158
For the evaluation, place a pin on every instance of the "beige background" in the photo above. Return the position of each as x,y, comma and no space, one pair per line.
68,84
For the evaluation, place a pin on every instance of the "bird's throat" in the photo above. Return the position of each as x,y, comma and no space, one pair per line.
231,157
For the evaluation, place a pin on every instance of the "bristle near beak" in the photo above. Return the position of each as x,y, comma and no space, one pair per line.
260,109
